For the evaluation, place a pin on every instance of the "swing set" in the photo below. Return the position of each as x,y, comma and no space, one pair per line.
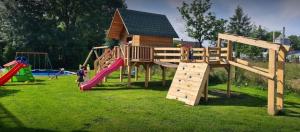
38,60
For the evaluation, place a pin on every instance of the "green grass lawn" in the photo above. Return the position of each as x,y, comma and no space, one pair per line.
58,105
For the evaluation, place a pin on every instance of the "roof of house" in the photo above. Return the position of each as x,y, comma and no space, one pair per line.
148,24
294,52
280,39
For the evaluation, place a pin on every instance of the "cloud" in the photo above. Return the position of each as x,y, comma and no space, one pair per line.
289,9
174,3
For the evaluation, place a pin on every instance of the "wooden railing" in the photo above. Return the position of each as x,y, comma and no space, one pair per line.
169,54
199,54
141,53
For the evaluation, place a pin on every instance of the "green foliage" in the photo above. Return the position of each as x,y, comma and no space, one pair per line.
240,24
111,42
295,40
65,29
201,24
270,36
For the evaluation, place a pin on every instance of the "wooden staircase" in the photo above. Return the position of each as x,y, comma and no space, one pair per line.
104,60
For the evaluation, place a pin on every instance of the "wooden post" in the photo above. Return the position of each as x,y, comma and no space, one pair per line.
206,90
136,73
280,80
105,78
129,75
271,83
219,49
163,75
128,66
229,58
229,50
228,69
207,55
150,75
121,73
146,75
151,53
219,43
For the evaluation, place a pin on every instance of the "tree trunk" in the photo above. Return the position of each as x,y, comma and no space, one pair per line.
200,43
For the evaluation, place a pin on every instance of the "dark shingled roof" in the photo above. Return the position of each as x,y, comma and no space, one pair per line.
143,23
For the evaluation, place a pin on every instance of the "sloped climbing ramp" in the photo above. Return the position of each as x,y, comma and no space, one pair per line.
189,83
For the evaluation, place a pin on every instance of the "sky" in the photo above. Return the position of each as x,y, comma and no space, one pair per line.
272,15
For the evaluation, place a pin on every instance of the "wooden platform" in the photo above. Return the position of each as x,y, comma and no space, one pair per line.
189,83
166,64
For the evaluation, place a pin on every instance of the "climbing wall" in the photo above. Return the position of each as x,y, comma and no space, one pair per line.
189,83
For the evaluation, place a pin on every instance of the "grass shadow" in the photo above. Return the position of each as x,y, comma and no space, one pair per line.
290,113
7,92
15,125
23,84
153,85
237,99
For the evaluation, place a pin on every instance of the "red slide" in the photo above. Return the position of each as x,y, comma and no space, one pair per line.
11,73
100,75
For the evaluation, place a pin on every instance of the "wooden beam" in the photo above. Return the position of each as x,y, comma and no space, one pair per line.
241,61
198,49
248,41
167,54
271,83
167,60
166,48
267,75
100,47
280,80
87,58
96,53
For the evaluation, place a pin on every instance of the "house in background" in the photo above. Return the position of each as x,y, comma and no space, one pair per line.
281,39
293,56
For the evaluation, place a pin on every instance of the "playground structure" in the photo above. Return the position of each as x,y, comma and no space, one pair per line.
149,47
38,60
23,75
18,64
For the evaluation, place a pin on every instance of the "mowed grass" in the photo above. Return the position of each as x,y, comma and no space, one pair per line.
58,105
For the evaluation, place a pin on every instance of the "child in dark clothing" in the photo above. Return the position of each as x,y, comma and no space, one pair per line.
80,74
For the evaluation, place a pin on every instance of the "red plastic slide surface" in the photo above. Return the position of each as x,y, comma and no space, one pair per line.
11,73
100,75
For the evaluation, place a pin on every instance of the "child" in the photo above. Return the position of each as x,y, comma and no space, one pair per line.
80,74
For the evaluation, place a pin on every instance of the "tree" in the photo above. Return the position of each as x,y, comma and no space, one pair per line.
240,24
295,41
270,35
111,42
201,24
257,33
66,29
